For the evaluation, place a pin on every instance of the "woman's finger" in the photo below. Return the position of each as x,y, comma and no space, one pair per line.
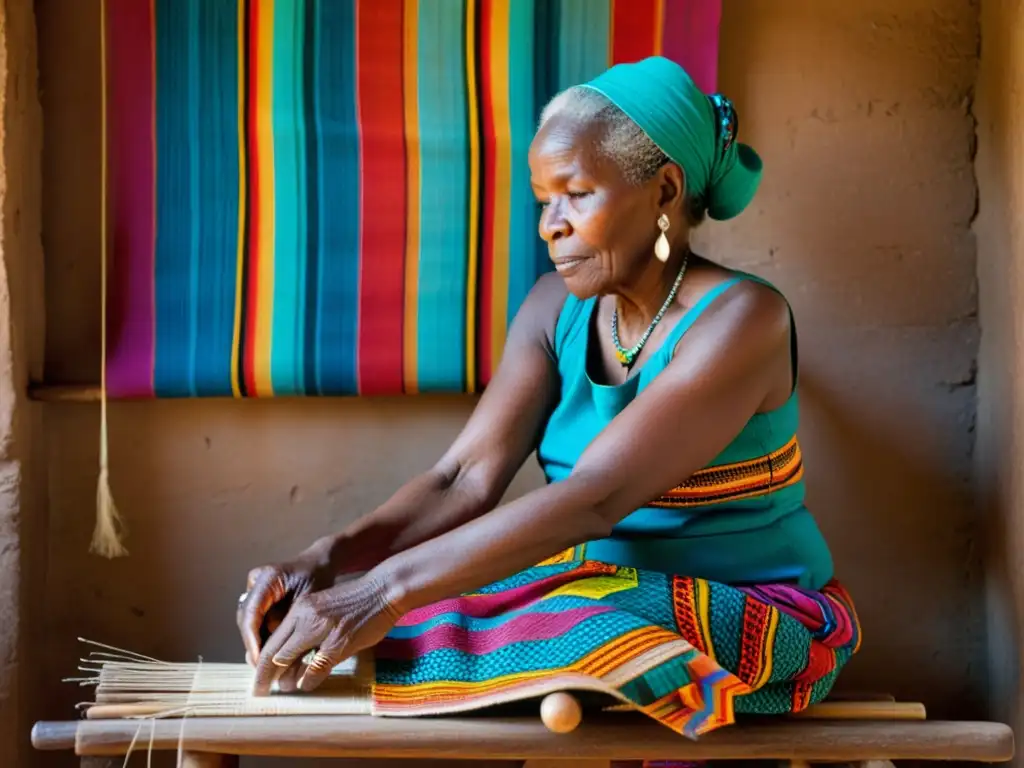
254,575
267,589
267,671
288,681
299,641
332,651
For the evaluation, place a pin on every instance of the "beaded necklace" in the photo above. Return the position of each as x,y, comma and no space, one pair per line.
627,356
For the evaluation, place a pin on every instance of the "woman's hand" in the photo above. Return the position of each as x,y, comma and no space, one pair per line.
337,623
271,590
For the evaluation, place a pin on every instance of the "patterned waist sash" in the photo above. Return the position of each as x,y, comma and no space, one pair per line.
740,480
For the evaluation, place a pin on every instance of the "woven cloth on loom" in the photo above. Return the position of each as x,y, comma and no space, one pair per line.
689,653
332,196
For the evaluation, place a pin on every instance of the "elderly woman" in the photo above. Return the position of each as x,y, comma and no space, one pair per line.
658,390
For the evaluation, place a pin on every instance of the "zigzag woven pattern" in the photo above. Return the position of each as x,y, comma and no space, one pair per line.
690,653
331,197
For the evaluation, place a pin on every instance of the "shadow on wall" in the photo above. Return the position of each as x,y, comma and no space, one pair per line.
861,113
898,551
210,489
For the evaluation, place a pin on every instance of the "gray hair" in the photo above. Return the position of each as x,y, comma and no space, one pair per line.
623,142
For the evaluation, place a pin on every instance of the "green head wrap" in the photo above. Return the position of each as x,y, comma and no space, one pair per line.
694,130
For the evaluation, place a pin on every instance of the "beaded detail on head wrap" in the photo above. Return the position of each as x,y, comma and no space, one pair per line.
728,120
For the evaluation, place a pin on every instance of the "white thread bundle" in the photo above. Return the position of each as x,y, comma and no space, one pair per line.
129,685
108,533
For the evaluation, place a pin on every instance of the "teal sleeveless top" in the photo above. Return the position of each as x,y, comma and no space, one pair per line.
740,520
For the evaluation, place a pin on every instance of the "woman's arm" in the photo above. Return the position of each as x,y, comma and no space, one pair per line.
467,482
727,366
730,364
471,477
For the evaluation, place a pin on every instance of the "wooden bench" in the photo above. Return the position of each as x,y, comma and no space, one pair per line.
867,730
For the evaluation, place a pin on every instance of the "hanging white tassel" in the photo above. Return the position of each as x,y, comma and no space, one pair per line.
107,535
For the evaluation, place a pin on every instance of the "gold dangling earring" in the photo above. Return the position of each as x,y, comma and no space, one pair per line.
661,247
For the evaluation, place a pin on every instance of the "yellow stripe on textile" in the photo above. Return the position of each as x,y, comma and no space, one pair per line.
473,112
412,188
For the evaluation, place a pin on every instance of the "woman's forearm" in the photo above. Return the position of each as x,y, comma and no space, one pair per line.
427,506
681,422
508,539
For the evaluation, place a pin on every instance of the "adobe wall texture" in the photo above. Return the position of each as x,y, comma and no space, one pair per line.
863,114
22,488
1000,434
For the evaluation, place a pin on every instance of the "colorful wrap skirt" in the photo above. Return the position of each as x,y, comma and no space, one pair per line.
690,653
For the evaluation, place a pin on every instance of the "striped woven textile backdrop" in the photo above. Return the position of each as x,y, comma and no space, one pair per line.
332,197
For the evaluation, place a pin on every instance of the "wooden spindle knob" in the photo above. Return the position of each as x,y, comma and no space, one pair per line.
560,712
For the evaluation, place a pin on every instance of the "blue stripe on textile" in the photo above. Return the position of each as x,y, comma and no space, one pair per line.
311,187
173,190
302,200
338,235
552,605
523,209
583,37
214,76
524,656
444,197
195,148
728,626
289,256
672,675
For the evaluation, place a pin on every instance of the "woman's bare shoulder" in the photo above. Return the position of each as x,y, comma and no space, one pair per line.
550,289
539,312
749,300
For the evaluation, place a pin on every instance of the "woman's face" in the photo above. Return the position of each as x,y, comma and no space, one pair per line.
600,229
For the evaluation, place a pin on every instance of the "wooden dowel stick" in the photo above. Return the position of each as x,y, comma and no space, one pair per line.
111,711
561,712
864,710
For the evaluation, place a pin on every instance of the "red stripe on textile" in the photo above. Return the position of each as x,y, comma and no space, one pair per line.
690,37
132,174
379,76
684,603
634,25
485,356
821,660
801,696
252,288
756,617
525,628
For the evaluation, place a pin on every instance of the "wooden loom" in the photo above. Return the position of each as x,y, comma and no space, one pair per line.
205,711
132,686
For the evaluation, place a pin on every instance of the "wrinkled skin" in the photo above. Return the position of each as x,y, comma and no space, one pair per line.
270,591
337,622
593,216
